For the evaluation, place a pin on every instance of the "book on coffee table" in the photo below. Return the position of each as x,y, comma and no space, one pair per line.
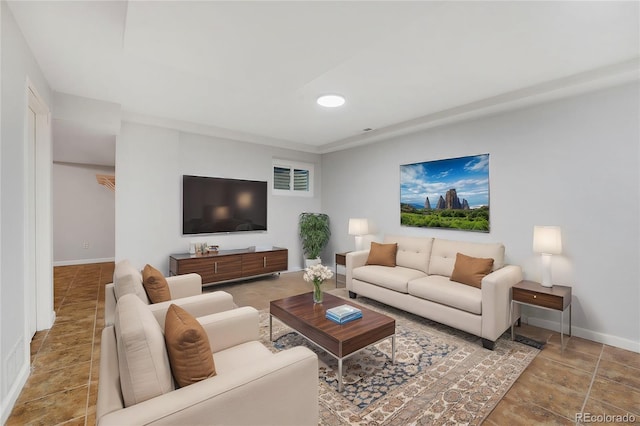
343,314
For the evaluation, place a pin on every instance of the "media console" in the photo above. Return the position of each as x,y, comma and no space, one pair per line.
230,265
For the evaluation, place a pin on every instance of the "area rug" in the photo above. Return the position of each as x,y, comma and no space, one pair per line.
441,375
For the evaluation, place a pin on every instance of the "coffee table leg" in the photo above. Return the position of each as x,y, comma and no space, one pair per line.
270,328
393,349
339,374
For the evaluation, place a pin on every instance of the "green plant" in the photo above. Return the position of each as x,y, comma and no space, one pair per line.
314,232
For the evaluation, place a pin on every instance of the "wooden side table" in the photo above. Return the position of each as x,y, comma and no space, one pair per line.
341,259
531,293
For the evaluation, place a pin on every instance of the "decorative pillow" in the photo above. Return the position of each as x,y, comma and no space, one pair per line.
142,355
382,254
188,347
471,270
126,280
155,284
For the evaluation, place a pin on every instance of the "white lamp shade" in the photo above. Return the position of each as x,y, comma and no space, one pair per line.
547,239
358,226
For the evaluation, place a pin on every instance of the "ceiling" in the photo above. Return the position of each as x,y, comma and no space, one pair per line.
251,71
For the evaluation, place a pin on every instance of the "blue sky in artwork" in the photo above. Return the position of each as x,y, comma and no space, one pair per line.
468,175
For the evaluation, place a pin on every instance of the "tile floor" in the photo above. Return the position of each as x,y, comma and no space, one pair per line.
588,377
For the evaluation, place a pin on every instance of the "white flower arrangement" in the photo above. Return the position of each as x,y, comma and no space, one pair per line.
317,274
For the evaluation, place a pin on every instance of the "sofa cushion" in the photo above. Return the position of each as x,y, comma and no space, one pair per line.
128,280
382,254
471,270
155,285
413,252
142,357
395,278
440,289
443,254
188,347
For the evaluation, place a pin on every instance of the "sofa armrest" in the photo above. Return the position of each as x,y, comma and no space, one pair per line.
185,285
231,328
282,390
109,304
496,300
109,393
198,306
355,259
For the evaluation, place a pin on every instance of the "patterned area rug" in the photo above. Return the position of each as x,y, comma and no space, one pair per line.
441,375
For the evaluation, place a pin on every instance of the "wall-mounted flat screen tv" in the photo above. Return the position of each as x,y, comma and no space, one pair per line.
212,205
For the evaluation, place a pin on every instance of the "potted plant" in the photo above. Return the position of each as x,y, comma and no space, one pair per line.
315,233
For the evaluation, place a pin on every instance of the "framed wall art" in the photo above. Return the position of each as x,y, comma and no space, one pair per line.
449,194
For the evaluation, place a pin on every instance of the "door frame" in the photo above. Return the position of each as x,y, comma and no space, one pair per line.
38,235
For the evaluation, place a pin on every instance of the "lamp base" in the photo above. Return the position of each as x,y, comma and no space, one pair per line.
546,270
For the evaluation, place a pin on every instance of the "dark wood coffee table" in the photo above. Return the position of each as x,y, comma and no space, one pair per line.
339,340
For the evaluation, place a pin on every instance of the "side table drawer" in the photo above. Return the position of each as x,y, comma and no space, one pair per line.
545,300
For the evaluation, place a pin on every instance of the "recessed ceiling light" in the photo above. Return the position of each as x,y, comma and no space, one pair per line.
330,101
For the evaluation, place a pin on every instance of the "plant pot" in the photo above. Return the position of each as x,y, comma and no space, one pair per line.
311,262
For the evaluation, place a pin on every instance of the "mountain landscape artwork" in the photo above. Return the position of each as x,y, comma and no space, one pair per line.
450,194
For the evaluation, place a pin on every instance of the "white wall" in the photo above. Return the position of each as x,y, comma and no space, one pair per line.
572,163
83,212
150,162
18,63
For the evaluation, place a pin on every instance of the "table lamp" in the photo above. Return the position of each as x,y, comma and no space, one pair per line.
547,241
358,227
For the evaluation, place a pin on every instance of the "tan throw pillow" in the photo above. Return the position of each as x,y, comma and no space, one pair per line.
382,254
155,284
471,270
188,347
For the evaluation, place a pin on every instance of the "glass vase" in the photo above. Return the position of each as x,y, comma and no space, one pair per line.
317,292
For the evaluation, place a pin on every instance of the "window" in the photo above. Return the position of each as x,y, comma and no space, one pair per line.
292,178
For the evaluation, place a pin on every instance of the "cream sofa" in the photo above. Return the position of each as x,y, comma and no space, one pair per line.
186,291
419,283
252,385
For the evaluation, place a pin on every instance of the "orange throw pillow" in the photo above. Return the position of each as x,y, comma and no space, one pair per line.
471,270
382,254
188,347
155,284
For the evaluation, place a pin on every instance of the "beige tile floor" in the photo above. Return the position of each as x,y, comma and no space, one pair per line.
587,377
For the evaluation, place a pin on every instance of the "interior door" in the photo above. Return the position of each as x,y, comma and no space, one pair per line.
30,260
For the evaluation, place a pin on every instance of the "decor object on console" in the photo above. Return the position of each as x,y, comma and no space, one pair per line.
185,291
317,274
420,283
547,240
424,206
314,233
136,384
358,227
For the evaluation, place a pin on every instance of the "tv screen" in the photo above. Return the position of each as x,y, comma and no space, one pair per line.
211,205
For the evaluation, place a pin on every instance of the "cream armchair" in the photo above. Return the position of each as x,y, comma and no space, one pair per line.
253,386
186,291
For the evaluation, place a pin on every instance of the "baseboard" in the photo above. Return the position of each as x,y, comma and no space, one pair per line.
14,392
607,339
83,261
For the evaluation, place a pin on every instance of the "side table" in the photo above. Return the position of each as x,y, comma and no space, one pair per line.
531,293
341,259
